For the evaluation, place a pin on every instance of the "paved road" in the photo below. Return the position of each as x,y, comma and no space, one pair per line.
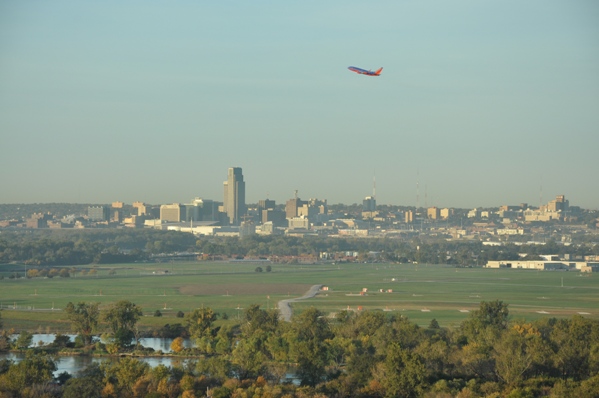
285,308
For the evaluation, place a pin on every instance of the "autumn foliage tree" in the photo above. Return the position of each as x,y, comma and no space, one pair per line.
84,319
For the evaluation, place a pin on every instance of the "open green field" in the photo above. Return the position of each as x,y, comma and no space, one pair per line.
420,292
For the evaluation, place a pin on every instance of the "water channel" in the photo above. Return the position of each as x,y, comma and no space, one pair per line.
73,364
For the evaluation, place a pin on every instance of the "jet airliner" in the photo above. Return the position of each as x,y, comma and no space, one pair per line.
366,72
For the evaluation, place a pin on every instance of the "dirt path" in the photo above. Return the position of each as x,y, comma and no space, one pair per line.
285,308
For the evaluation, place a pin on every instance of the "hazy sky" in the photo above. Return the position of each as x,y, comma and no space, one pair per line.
480,103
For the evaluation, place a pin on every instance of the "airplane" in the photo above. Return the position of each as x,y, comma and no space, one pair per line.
366,72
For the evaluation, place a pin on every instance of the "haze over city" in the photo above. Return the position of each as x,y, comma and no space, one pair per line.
479,103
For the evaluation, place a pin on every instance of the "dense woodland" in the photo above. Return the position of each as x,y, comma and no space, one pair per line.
121,246
363,354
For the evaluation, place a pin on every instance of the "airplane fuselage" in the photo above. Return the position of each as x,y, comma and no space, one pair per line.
365,72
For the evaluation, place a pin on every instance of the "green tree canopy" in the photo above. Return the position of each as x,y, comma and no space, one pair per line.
84,319
122,318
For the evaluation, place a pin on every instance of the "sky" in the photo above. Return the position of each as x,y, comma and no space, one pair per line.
480,103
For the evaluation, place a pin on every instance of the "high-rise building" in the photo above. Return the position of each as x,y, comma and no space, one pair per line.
409,216
234,190
433,213
265,204
369,204
98,213
204,210
141,208
172,213
446,213
558,204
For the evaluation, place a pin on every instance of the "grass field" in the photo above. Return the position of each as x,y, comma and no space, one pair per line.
420,292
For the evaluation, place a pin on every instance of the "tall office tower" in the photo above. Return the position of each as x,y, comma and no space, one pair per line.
291,207
234,203
369,204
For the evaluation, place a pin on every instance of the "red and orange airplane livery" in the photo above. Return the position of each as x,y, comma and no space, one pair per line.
366,72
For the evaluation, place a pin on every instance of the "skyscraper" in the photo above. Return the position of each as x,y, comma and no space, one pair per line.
234,203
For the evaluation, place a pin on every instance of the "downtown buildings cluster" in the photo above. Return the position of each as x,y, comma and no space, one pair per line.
232,216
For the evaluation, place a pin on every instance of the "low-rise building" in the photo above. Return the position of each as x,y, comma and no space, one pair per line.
535,265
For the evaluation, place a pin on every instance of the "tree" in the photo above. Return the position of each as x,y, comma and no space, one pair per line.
308,347
249,358
258,319
34,369
122,318
403,373
88,383
84,319
571,340
177,345
514,356
492,315
199,325
23,341
121,376
32,273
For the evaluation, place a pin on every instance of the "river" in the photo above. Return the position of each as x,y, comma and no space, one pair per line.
73,364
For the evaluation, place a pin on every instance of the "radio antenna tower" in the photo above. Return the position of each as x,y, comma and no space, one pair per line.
417,189
374,186
541,193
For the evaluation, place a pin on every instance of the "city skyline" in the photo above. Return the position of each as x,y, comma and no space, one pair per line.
478,105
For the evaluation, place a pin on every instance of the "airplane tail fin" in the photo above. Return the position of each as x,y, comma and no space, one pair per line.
378,71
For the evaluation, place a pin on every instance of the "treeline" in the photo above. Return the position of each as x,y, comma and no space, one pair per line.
363,354
90,246
121,246
420,249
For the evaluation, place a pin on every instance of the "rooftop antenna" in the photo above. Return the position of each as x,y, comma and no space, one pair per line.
295,194
425,196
